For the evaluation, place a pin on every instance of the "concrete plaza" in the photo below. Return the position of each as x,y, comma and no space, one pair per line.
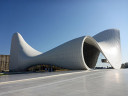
69,83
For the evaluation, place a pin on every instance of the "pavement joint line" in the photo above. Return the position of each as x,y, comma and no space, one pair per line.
8,82
3,93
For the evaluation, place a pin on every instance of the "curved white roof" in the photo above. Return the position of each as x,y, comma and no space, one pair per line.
71,55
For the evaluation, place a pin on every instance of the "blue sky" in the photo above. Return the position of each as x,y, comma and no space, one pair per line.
45,24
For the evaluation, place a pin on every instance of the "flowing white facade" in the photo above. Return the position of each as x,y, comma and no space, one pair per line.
77,54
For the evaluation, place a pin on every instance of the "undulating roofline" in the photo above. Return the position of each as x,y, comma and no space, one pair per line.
77,54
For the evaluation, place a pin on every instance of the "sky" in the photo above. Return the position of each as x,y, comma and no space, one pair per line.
45,24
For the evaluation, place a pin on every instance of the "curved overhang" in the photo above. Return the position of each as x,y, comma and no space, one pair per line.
91,41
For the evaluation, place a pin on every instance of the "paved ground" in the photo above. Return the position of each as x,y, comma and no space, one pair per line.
76,83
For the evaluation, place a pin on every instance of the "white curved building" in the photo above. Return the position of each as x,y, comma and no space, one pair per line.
77,54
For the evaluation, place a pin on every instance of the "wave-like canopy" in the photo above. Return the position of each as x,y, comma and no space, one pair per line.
77,54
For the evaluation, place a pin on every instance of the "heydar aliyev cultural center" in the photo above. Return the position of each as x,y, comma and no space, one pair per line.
77,54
